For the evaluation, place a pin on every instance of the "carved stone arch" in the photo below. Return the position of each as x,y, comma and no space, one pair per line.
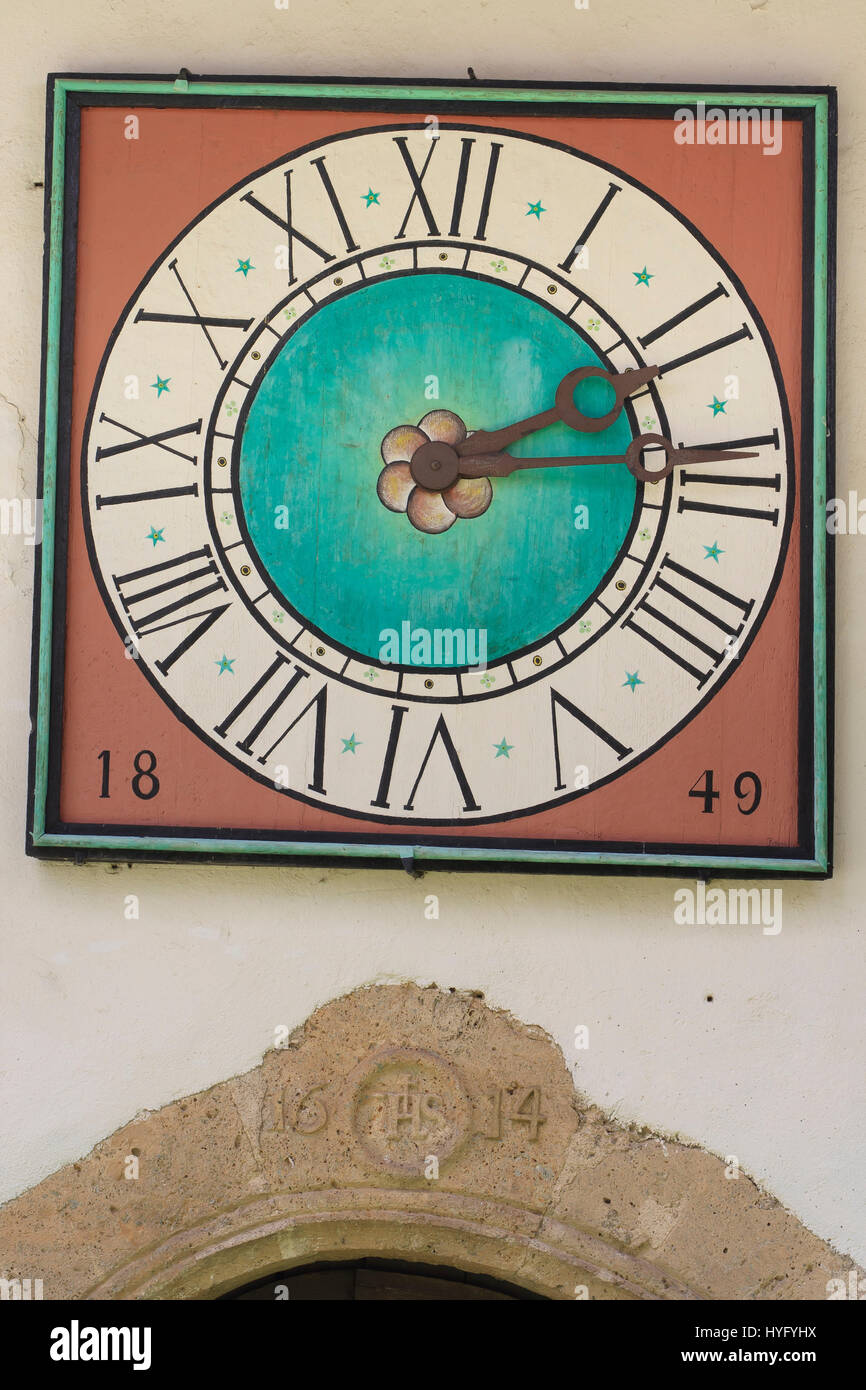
407,1124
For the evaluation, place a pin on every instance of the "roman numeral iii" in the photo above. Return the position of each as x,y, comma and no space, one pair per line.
721,615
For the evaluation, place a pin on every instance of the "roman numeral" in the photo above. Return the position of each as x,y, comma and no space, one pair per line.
291,230
282,680
460,190
276,669
671,366
558,701
319,164
398,713
419,196
753,442
319,703
418,193
153,596
492,163
441,731
191,490
150,622
208,618
723,597
202,321
684,314
688,504
140,440
590,227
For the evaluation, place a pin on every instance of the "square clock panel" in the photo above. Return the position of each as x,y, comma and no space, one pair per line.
436,472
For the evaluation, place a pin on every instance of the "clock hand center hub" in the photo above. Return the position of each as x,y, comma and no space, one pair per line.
435,466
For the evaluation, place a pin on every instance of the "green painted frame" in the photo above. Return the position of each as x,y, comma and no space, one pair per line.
819,101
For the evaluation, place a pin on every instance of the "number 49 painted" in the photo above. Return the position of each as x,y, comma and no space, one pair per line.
708,794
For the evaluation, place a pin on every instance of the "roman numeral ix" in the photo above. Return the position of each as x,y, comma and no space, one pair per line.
202,321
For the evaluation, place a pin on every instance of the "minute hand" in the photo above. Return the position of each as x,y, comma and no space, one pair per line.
493,465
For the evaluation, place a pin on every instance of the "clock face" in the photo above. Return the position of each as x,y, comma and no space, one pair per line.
359,641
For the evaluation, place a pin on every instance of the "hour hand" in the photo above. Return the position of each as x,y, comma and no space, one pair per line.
564,409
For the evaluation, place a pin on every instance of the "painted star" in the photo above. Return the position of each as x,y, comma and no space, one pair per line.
643,277
503,749
632,680
370,197
225,664
160,385
154,535
535,210
717,406
244,267
713,552
350,744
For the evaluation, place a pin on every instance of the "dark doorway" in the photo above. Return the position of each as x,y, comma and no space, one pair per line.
370,1281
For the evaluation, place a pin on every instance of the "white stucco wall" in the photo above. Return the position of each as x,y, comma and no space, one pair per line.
103,1017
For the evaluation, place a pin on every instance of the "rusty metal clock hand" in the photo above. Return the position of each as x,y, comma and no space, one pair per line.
564,409
437,466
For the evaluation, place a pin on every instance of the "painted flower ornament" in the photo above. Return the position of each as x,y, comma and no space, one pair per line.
431,512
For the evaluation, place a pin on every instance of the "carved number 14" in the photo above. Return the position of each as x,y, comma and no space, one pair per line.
525,1109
